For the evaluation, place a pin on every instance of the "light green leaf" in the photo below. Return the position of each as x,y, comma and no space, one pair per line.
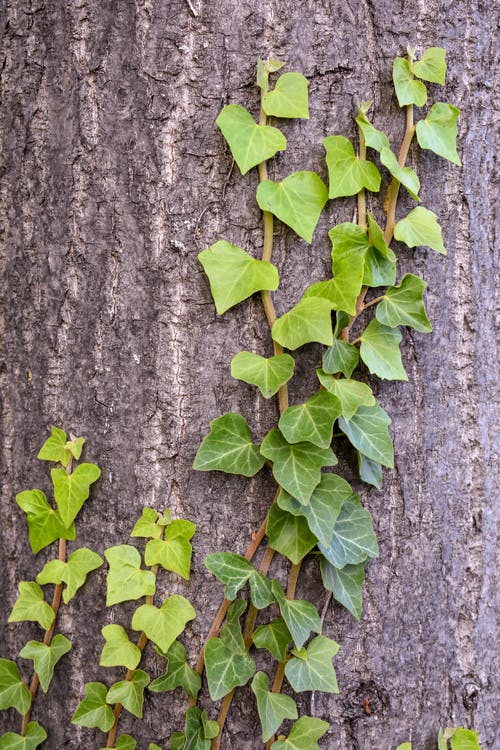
174,552
289,535
311,668
405,175
71,490
44,523
374,138
346,584
35,735
268,374
273,708
348,174
163,624
304,735
432,65
369,471
340,357
250,143
420,227
234,275
228,447
274,637
404,746
464,739
262,75
353,537
130,693
178,674
94,711
73,572
312,421
297,201
438,132
352,393
289,97
273,65
297,467
380,260
408,90
126,742
403,305
75,446
368,431
31,606
178,741
46,657
118,651
13,692
380,351
154,746
147,525
301,617
126,580
232,570
55,449
309,320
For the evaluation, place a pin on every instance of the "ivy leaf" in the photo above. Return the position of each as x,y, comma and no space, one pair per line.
301,617
374,138
198,732
309,320
261,593
438,132
311,668
304,735
408,90
250,143
403,305
229,448
147,525
163,624
268,374
368,431
54,448
46,657
380,351
13,692
273,708
370,471
405,175
174,552
289,535
351,393
44,523
297,201
297,467
73,572
274,637
312,421
464,739
31,606
118,651
346,584
234,275
420,227
126,580
94,711
432,66
289,97
178,674
130,693
71,490
340,357
35,735
178,741
230,569
75,446
353,537
348,174
126,742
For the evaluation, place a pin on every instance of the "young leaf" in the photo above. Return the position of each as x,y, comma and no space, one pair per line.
274,637
408,90
346,584
464,739
54,448
340,357
228,447
432,66
75,446
46,657
289,535
297,467
174,552
301,617
178,674
232,570
353,537
31,606
118,651
374,138
380,260
71,490
403,305
348,174
147,525
130,693
273,708
94,711
262,75
163,624
380,351
268,374
13,691
126,580
73,572
438,132
289,97
309,320
312,421
250,143
297,201
311,668
35,735
368,431
126,742
44,523
351,393
370,471
405,175
420,227
198,732
304,735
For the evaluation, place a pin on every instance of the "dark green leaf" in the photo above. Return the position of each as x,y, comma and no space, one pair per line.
126,580
312,421
273,708
13,691
380,351
309,320
289,535
46,657
178,674
73,572
198,732
250,143
232,570
44,523
297,201
118,651
261,592
71,490
351,393
35,735
301,617
348,174
163,624
228,447
368,431
403,305
94,711
226,661
408,90
289,97
340,357
304,735
274,637
420,227
268,374
130,693
54,448
438,132
311,668
432,65
353,537
126,742
370,471
31,606
346,584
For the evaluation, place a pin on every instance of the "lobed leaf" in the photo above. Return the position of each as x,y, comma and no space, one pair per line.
147,525
368,431
94,711
163,624
30,606
268,374
297,201
289,534
174,552
73,572
232,570
178,673
420,227
352,393
130,693
274,637
44,523
118,651
353,537
55,449
403,305
432,65
304,735
312,421
347,174
408,90
273,708
301,617
340,357
380,351
229,448
35,735
250,143
45,657
346,584
71,490
126,579
311,668
289,98
227,663
126,742
309,320
13,692
438,132
198,732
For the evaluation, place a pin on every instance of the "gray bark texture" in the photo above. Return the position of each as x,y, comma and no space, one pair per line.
114,177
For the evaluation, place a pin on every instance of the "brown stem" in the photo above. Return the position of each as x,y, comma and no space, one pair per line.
362,193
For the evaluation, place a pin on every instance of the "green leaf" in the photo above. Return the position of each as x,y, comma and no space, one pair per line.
289,97
250,143
403,305
405,175
35,735
274,637
262,75
353,537
126,742
301,617
304,735
94,711
44,523
261,593
408,90
420,227
130,693
178,741
368,431
311,668
46,657
380,351
340,357
268,374
178,674
118,651
232,570
297,467
30,606
438,132
348,174
346,584
13,692
374,138
297,201
273,708
289,535
163,624
154,746
54,448
464,739
198,732
432,66
75,446
309,320
370,471
404,746
323,508
351,393
228,447
73,572
146,526
380,260
174,552
312,421
126,580
71,490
